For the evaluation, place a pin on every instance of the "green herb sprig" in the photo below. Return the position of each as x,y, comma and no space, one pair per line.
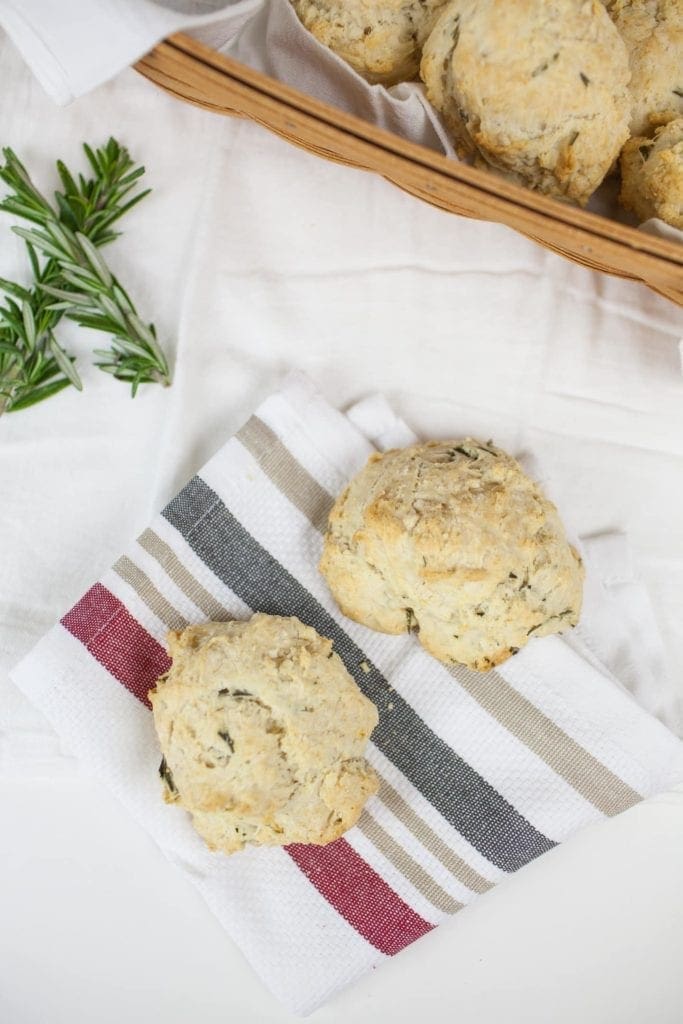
73,280
33,365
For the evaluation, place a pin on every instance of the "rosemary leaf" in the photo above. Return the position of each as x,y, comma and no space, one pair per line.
65,363
38,273
41,242
62,293
95,260
29,325
36,395
10,288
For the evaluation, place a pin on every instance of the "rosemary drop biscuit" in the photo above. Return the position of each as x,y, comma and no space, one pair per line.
452,540
653,33
536,89
262,732
381,39
652,175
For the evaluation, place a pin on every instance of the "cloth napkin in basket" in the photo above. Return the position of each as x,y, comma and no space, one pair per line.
479,773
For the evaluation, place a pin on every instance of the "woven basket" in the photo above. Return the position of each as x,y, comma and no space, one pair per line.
191,71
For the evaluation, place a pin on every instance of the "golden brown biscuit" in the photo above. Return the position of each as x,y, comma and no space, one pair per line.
652,175
381,39
453,540
653,33
262,732
537,88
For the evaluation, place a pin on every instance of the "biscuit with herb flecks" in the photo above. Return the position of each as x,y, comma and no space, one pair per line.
263,733
536,89
652,175
453,541
653,33
381,39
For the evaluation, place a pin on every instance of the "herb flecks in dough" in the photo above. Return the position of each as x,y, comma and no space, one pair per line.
277,761
167,779
227,738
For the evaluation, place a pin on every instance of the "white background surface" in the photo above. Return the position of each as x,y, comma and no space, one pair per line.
254,258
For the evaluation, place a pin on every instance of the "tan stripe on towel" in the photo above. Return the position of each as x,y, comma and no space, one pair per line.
288,475
144,588
589,777
407,865
452,861
182,577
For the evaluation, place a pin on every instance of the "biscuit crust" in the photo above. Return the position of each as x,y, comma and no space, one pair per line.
652,175
381,39
263,733
453,541
653,33
536,89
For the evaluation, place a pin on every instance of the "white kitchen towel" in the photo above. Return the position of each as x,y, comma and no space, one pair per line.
73,47
479,773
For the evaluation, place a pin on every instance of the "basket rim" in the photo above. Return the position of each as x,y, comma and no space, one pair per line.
599,227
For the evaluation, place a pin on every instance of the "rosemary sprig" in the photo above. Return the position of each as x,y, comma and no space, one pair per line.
92,205
99,301
32,365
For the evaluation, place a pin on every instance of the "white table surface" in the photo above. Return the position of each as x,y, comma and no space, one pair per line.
253,258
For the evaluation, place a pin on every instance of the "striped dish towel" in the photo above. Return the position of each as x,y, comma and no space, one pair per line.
479,773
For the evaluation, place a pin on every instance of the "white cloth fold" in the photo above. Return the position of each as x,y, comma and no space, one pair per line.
480,773
73,49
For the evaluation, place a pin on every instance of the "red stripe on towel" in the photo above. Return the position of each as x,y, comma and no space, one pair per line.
360,895
118,641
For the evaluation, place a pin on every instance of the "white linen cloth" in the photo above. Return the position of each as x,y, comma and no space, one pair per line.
74,47
252,257
479,774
